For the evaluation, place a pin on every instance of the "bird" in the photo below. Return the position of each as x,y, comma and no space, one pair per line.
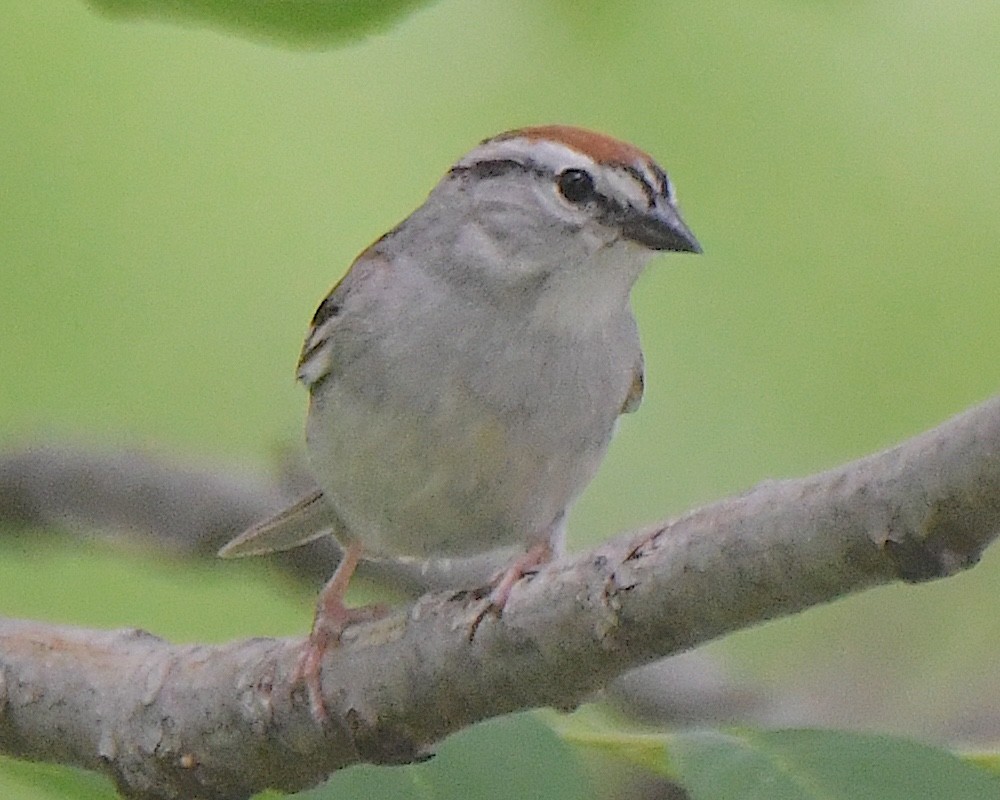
466,374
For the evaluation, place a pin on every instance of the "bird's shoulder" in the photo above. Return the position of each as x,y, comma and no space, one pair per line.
339,316
634,397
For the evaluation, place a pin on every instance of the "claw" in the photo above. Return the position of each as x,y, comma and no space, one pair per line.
525,564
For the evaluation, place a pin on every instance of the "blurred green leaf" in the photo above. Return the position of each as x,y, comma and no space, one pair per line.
301,22
596,728
981,758
786,765
814,764
25,780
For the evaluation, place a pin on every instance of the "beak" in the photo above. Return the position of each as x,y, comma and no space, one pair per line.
660,228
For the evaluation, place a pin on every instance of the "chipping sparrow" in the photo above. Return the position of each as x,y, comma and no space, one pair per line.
466,374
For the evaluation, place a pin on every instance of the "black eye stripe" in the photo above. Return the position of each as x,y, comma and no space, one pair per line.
497,167
490,169
608,210
632,222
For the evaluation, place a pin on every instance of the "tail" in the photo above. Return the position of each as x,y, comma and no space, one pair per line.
305,520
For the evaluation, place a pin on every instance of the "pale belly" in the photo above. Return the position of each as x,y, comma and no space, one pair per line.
452,478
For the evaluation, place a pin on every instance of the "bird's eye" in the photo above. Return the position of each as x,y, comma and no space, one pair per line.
576,185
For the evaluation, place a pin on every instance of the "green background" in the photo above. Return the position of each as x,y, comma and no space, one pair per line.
175,201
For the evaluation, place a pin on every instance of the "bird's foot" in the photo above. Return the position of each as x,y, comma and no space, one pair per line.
500,587
332,619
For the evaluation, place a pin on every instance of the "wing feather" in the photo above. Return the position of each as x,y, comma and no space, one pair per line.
318,359
634,397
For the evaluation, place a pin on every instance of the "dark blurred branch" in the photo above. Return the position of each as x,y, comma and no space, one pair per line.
189,508
223,722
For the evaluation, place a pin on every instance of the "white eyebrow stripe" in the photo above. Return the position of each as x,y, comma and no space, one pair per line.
556,157
660,180
638,183
549,155
624,185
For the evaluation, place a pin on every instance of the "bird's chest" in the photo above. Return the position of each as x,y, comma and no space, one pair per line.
551,391
468,437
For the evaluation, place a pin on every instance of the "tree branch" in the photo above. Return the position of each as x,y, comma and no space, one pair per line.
223,722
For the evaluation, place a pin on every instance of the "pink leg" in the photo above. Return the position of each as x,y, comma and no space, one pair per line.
536,555
331,620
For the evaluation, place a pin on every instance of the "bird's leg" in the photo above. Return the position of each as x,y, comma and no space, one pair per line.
540,552
331,620
526,563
